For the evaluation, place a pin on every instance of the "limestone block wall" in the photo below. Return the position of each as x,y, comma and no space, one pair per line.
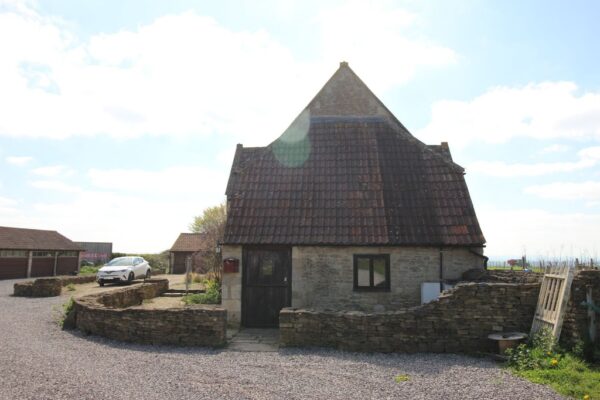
322,277
458,322
110,315
231,286
42,287
576,323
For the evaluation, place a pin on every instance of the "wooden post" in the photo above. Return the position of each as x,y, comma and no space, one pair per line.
29,263
55,262
591,313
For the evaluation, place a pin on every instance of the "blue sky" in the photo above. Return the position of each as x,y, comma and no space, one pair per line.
118,119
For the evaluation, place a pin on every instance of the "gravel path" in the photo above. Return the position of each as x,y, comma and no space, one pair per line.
39,361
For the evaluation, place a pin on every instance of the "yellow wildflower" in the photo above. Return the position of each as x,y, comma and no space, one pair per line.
554,362
586,397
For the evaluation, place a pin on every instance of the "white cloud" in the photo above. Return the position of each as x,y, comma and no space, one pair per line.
540,233
376,38
55,185
7,206
18,161
588,158
548,110
173,180
588,190
555,148
53,170
188,75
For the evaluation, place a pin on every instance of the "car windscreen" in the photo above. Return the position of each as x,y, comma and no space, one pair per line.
120,261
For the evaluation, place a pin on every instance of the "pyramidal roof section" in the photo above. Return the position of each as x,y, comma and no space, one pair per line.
346,95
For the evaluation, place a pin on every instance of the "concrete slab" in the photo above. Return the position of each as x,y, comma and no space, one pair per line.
253,340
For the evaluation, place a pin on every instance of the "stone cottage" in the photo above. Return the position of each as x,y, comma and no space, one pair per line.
345,210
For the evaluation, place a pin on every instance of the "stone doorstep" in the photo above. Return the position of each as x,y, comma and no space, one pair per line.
253,340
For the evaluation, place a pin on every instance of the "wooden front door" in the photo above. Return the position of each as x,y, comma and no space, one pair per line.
266,284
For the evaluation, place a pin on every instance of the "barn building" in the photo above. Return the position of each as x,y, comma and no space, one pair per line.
29,253
345,210
186,245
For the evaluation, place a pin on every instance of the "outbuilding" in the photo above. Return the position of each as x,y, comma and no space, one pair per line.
187,245
345,210
28,253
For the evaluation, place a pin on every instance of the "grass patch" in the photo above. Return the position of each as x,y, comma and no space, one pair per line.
88,270
211,296
401,378
70,287
67,309
541,361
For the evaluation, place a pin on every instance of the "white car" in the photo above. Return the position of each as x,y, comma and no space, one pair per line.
123,269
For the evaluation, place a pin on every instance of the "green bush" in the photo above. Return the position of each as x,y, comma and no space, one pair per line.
88,270
67,309
212,294
542,361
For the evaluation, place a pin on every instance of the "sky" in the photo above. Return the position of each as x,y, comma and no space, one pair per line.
119,119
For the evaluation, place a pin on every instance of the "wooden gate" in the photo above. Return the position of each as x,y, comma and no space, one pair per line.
553,299
266,284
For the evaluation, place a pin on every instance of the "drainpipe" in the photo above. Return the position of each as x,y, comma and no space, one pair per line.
441,269
485,258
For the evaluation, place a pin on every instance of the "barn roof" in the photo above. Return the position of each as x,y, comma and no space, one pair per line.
188,242
347,172
34,239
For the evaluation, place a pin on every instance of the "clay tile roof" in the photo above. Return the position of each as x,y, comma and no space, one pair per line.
347,172
34,239
188,242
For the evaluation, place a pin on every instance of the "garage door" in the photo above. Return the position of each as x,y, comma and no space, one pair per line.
13,268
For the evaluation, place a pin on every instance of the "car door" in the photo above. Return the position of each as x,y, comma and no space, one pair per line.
138,266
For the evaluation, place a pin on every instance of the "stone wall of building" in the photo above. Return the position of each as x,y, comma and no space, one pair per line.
458,322
231,286
111,315
322,277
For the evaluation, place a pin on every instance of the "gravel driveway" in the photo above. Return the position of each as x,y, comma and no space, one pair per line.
39,361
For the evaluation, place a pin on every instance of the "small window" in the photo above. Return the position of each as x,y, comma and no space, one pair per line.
68,254
43,254
372,272
13,253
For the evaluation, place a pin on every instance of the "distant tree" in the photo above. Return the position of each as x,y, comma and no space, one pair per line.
212,224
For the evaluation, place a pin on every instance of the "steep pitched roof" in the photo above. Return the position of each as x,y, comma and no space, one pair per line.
188,242
347,172
34,239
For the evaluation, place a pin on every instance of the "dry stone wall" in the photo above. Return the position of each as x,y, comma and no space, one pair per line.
48,287
42,287
459,321
110,315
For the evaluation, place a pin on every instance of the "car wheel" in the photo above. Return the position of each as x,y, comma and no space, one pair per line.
101,282
148,274
130,277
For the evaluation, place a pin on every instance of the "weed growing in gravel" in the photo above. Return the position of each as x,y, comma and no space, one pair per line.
70,287
542,361
67,308
401,378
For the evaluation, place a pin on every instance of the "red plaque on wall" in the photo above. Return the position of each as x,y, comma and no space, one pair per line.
231,265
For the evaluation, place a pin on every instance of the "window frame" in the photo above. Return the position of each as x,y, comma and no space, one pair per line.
371,287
